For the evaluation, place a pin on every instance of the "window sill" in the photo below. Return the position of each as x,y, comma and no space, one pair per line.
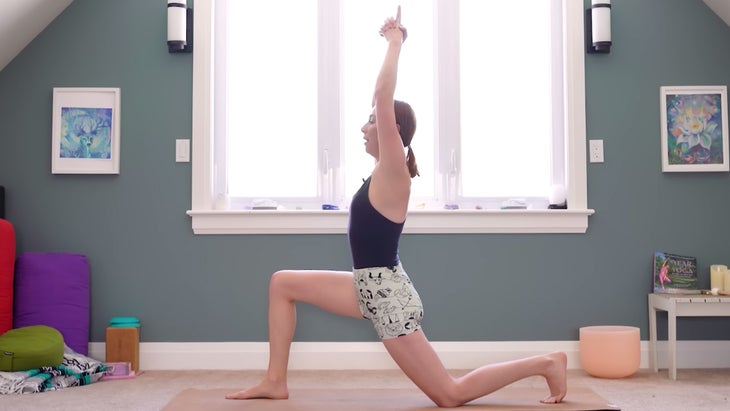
419,221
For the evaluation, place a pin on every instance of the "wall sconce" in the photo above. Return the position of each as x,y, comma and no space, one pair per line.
179,27
598,27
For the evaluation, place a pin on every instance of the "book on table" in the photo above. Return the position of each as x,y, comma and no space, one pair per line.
675,274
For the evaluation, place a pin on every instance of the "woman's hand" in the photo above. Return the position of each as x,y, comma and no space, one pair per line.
392,29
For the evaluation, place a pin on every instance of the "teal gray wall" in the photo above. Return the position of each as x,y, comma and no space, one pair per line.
146,262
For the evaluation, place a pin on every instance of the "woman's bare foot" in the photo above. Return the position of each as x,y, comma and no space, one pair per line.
264,389
556,377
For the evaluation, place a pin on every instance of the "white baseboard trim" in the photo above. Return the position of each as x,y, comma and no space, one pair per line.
372,355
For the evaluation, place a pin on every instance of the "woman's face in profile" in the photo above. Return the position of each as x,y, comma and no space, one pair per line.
370,135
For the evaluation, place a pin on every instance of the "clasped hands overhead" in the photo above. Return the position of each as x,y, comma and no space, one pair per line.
392,26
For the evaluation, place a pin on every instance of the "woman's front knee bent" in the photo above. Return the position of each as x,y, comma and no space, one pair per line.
279,280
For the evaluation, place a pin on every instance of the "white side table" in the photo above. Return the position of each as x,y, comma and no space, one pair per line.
680,305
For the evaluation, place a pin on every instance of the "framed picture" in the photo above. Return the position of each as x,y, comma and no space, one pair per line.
694,128
85,131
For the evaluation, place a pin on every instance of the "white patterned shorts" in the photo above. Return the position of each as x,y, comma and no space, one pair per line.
387,298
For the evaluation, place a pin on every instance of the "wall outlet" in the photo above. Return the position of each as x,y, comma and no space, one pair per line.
595,150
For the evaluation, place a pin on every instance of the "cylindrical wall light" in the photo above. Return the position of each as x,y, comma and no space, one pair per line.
179,27
598,27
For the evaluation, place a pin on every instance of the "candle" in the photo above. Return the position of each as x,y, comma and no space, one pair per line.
718,272
726,281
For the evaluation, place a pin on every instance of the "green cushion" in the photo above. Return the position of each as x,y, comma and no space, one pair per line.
30,347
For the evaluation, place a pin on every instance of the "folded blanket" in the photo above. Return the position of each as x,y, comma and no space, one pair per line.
75,370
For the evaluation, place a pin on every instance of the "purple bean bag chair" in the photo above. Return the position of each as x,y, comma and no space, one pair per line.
52,289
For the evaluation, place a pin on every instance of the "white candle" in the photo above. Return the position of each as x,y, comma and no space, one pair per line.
717,276
726,281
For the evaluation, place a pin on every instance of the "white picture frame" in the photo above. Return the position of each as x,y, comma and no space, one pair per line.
694,129
86,130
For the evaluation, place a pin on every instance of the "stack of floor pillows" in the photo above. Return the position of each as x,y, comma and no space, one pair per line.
50,295
44,320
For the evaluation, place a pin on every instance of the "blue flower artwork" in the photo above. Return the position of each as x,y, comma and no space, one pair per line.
86,132
694,125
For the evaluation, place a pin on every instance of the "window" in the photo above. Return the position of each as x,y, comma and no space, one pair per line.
300,127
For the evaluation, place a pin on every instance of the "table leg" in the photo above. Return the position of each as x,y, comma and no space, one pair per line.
652,337
672,339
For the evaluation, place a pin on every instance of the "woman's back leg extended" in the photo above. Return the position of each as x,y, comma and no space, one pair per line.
417,358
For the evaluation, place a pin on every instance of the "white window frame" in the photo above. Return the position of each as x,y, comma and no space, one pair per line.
206,219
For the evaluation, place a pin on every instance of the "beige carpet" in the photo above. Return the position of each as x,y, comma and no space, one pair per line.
509,398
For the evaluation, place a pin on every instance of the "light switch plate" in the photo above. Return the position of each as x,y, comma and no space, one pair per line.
182,150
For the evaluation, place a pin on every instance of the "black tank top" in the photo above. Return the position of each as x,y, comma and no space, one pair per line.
373,238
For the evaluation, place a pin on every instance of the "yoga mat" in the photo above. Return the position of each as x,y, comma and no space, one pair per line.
370,399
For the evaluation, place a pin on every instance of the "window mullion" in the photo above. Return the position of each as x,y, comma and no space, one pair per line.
448,130
220,97
329,118
575,118
559,138
202,107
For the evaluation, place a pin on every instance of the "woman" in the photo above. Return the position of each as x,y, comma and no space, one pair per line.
382,291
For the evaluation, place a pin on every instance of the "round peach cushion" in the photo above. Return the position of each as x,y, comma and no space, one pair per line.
610,351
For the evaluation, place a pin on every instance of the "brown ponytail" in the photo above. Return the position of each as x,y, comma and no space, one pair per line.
411,161
406,120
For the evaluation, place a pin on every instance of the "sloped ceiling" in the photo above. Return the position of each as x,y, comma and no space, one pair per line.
721,8
21,21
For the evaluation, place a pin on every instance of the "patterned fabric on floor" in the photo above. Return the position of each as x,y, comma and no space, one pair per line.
75,370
